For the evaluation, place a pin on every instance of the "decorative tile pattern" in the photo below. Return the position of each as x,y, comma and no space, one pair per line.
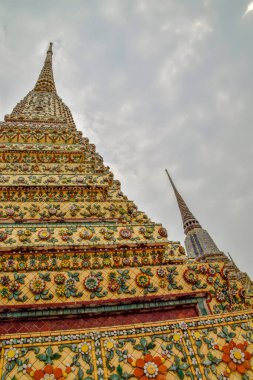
36,288
200,348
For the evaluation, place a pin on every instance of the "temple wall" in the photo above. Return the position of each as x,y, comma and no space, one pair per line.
213,347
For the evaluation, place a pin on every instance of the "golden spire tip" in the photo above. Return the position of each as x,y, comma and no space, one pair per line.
50,48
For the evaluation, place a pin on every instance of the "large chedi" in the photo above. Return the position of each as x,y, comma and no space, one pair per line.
90,287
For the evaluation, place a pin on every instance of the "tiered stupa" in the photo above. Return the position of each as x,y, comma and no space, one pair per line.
90,287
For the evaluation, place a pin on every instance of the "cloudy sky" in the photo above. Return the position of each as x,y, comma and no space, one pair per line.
154,84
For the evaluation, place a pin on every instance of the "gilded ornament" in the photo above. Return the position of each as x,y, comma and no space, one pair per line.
44,234
86,234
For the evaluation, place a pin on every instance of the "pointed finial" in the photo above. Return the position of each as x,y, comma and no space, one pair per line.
189,221
46,77
50,48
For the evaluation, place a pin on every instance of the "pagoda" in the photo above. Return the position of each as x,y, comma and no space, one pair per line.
90,287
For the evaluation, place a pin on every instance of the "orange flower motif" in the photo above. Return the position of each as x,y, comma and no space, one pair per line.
49,373
236,356
150,367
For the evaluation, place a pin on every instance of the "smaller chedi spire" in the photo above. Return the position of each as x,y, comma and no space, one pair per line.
46,77
189,221
198,242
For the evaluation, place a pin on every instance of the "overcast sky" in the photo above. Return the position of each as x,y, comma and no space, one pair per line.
154,84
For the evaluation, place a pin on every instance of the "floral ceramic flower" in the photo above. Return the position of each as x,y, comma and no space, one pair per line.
109,344
196,335
85,263
176,337
183,325
210,280
161,272
113,286
126,261
10,211
125,233
11,354
49,373
108,235
220,296
4,292
203,269
65,234
150,367
52,210
236,356
4,280
211,271
116,259
190,276
9,264
37,285
145,261
51,179
65,263
162,284
59,278
21,265
44,234
13,286
60,290
73,209
84,348
43,264
70,283
162,232
91,283
142,280
107,262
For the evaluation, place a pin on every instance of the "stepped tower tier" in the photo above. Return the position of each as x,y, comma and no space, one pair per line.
90,287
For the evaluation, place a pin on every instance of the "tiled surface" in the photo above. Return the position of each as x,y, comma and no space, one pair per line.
33,289
73,288
198,348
